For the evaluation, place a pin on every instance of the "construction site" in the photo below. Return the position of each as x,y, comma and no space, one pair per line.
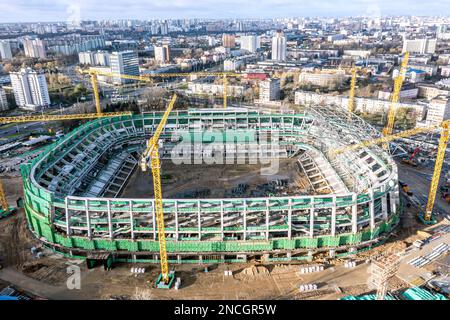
303,203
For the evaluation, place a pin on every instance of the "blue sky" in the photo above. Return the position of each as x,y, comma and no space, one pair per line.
63,10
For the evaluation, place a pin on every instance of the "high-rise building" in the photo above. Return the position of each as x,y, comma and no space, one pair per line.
420,46
30,89
279,47
103,58
5,50
249,43
99,58
164,28
228,40
438,110
124,62
269,90
34,48
211,41
3,101
87,58
162,53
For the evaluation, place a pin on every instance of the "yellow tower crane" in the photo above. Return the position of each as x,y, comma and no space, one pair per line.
427,216
351,97
150,159
96,94
225,89
4,206
443,141
398,82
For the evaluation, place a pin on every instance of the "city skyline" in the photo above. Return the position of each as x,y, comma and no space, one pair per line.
65,10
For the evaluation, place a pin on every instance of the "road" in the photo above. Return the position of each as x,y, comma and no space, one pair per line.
38,288
23,126
418,180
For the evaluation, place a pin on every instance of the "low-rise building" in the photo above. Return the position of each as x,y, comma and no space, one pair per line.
269,90
3,101
214,89
323,79
365,105
430,91
438,110
363,54
430,70
407,92
445,71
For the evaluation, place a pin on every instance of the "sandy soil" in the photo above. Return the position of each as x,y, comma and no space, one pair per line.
219,179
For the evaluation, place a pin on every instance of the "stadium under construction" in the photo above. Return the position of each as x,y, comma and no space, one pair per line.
73,190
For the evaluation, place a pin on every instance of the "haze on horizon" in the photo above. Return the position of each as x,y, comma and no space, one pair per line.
64,10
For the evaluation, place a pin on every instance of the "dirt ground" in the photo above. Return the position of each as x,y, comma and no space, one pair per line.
218,179
47,276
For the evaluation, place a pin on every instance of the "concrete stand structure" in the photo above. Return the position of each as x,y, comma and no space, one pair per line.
71,202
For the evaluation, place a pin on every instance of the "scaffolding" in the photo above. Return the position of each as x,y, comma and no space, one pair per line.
383,268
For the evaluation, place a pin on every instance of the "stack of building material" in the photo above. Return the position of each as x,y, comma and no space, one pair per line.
422,294
421,261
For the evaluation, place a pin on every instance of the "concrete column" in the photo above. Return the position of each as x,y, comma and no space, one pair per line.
289,255
176,221
290,219
354,214
130,205
88,219
310,255
332,253
52,216
267,219
394,201
311,220
199,221
372,210
333,217
66,202
110,227
221,220
384,207
154,219
178,258
245,220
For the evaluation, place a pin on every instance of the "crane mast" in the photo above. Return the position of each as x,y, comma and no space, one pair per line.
398,82
150,158
443,141
96,94
3,202
351,96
